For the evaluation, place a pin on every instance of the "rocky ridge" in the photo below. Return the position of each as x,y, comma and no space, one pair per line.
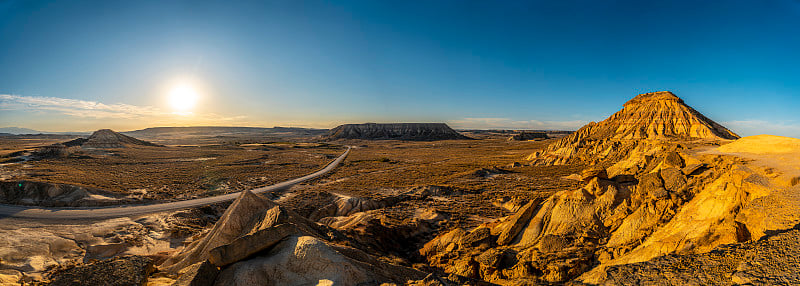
395,131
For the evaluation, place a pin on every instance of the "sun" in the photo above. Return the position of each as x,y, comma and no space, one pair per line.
183,98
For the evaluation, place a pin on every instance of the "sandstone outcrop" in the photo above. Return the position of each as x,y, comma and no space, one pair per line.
55,195
653,191
395,131
647,119
613,220
257,242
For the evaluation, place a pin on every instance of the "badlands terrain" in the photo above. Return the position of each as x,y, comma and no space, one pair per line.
656,194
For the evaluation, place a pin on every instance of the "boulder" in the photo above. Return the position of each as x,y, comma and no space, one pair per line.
517,222
198,274
246,215
247,245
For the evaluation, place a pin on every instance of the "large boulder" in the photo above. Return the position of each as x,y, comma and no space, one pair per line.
247,214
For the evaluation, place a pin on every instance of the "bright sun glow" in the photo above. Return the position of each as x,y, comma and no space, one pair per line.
182,98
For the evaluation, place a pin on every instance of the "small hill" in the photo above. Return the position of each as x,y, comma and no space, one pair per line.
107,138
659,116
395,131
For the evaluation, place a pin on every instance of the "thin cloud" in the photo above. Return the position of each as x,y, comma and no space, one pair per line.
756,127
97,110
507,123
77,108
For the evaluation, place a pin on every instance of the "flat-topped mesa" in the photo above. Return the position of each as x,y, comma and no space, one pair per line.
650,116
395,131
525,136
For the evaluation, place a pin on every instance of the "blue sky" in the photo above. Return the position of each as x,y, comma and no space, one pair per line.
85,65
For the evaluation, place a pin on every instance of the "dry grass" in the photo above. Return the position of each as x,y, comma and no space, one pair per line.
383,168
374,169
179,172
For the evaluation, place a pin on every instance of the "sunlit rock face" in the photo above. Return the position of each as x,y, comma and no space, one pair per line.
656,116
661,114
396,131
657,184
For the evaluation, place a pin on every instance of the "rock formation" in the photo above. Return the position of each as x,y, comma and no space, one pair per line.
395,131
257,242
55,195
525,136
107,138
656,116
658,191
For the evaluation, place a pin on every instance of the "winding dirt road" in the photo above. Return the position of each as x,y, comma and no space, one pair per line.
33,212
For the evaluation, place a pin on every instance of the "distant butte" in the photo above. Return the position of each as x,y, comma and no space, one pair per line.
107,138
395,131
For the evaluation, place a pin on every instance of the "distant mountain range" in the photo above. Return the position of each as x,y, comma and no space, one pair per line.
20,130
156,131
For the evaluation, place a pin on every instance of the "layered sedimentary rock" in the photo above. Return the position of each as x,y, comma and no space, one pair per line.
257,242
525,136
395,131
679,200
107,138
657,192
656,116
55,195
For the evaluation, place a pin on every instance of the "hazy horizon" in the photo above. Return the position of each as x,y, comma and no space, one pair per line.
85,65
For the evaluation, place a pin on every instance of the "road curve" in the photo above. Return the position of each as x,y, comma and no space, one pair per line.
29,212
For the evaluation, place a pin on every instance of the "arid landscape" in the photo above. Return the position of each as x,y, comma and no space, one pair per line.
399,143
655,194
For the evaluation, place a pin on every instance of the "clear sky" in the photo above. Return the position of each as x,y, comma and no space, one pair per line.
85,65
